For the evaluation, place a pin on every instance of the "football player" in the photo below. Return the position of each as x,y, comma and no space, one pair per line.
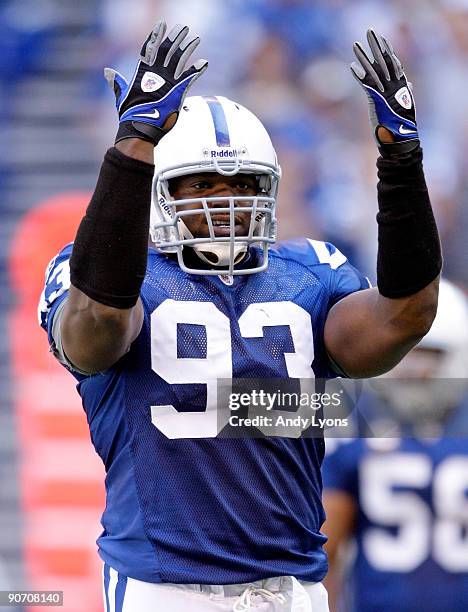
193,521
402,499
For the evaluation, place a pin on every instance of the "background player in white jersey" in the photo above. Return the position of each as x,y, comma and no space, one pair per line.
193,521
402,499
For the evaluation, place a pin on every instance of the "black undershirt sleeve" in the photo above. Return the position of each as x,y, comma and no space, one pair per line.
109,256
409,253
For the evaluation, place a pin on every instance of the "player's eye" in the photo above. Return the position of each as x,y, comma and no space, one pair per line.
201,185
245,186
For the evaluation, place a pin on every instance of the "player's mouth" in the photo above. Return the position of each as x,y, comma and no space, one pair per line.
222,226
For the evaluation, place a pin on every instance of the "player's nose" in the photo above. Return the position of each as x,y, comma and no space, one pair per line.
224,189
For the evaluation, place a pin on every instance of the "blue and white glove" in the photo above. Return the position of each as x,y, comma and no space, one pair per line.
391,102
157,90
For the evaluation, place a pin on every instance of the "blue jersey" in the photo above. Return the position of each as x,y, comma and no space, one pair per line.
182,505
411,530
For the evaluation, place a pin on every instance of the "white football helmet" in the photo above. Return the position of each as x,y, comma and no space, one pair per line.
449,333
433,377
215,134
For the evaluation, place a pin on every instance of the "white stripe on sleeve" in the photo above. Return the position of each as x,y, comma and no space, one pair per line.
334,260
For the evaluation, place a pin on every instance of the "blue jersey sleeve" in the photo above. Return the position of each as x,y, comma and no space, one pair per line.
330,270
57,284
340,467
343,278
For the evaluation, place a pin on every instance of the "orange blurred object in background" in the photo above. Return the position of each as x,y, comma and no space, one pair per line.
61,477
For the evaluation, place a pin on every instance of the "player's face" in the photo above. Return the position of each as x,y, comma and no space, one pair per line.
209,185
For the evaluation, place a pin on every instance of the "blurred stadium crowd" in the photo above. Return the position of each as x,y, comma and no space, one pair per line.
288,61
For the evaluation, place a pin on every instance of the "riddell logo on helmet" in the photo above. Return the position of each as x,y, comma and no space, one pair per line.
163,203
224,153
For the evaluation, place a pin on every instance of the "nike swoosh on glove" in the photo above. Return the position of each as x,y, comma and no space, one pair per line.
159,85
391,102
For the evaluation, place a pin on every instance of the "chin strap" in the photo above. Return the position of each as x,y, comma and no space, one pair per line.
217,254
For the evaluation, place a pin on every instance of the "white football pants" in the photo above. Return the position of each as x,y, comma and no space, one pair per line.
283,594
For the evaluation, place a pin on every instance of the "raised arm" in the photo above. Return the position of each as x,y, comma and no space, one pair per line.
369,332
96,331
103,313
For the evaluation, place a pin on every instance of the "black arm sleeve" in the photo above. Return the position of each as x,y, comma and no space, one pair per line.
109,256
409,254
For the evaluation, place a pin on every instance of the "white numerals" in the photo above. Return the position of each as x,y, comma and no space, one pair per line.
419,533
218,361
451,502
386,506
57,278
299,363
258,316
174,370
